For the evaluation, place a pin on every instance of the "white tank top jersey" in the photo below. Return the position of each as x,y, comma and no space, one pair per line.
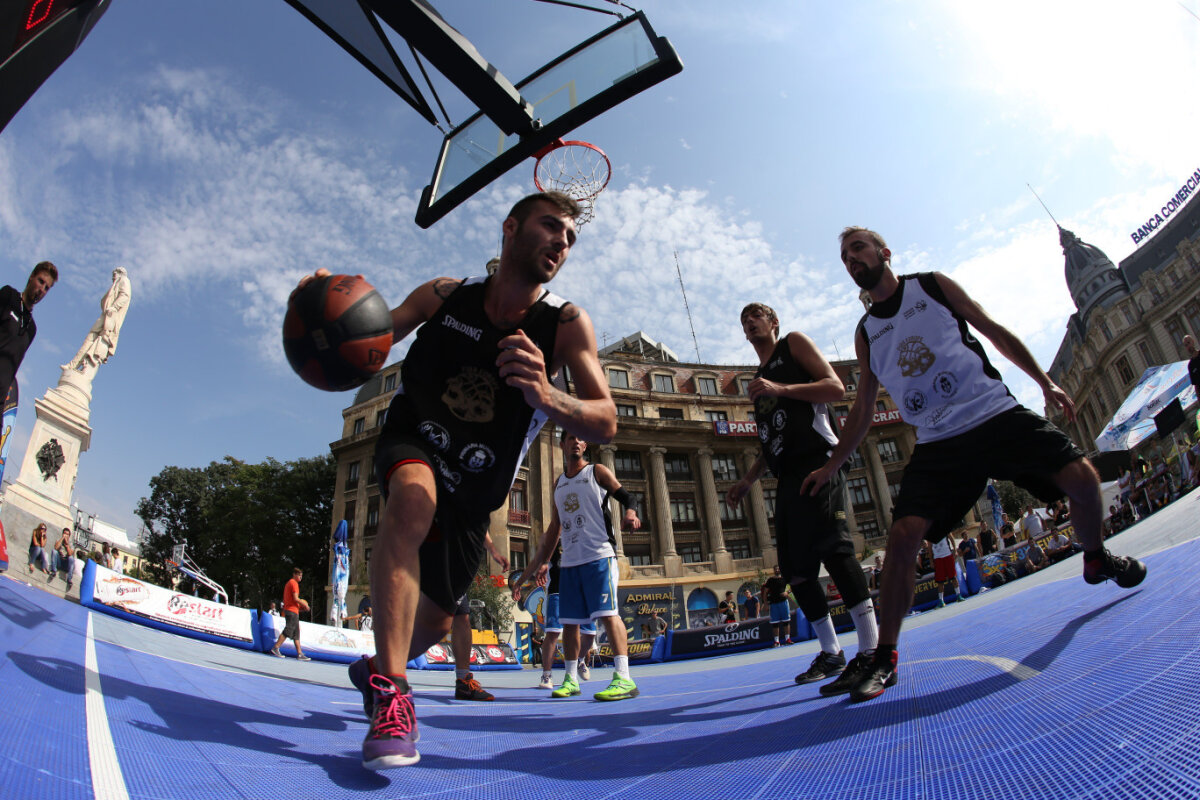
587,533
941,548
931,363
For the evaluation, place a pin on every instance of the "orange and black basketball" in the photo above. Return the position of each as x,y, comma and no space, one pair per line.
337,332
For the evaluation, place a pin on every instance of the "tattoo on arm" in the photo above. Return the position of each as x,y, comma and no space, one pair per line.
442,287
569,313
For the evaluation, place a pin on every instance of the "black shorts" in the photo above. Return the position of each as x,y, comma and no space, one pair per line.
945,478
810,528
291,625
452,552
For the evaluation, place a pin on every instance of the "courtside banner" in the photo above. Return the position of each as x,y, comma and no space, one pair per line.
325,642
716,639
171,608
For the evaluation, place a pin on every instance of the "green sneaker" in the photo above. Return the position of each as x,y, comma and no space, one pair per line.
619,689
568,688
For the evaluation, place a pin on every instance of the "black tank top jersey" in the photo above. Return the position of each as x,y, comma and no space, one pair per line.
479,428
793,433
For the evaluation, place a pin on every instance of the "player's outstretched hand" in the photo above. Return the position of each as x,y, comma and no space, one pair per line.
1057,398
523,366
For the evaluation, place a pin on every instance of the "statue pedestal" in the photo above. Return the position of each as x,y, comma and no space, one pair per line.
60,435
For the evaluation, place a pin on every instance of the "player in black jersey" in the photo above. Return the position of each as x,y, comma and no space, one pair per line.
790,390
475,389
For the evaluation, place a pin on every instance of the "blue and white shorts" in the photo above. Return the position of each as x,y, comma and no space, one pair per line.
588,591
553,625
781,612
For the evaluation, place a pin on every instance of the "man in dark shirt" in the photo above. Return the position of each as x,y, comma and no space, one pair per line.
1189,344
16,321
750,603
987,539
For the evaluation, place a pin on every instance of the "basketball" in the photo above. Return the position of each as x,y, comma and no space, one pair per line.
337,332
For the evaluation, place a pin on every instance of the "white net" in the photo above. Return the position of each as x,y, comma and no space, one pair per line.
577,169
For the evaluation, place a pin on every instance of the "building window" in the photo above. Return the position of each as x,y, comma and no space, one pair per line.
618,379
517,558
894,486
889,452
1175,331
840,413
626,411
639,507
1191,313
372,516
348,515
860,493
516,497
880,406
731,513
724,467
744,385
677,466
769,502
690,553
380,418
738,548
670,413
360,424
1124,370
855,461
627,464
1106,330
706,385
372,480
1128,312
352,475
367,556
389,382
1144,349
683,510
868,528
664,383
638,555
716,416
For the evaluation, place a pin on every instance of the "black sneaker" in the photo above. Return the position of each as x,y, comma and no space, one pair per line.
823,666
879,674
469,689
850,675
1102,566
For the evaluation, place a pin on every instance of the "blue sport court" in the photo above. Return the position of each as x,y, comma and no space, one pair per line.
1044,688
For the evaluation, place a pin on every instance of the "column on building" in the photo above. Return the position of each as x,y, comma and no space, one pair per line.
759,522
665,531
883,498
722,561
608,459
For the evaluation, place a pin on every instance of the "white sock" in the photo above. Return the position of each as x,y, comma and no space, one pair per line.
573,670
863,615
826,634
621,664
545,673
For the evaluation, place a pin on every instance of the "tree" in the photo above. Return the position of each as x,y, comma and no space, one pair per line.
497,601
245,525
1014,499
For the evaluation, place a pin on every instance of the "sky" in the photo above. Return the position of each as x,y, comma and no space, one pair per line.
220,150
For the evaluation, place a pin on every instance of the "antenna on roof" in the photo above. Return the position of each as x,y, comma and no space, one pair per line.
685,307
1039,199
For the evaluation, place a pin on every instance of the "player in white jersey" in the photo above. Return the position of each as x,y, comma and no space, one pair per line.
588,577
915,340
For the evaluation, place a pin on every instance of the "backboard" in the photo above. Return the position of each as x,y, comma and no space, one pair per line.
513,122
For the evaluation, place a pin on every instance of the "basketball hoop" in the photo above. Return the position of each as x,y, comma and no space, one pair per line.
579,170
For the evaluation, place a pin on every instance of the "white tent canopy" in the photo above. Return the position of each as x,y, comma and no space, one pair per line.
1134,420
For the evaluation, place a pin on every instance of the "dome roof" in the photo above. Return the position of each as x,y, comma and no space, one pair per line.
1091,275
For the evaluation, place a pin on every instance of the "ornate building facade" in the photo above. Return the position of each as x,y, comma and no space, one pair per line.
1128,317
685,434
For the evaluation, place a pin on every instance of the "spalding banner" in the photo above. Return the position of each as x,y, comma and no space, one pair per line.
721,638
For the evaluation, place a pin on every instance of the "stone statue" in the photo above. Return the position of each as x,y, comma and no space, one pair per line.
101,341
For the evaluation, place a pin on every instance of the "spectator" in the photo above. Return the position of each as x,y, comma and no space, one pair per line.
832,594
63,558
1061,513
272,609
876,571
106,556
775,594
924,562
968,548
942,553
987,539
1189,344
728,607
293,604
1125,485
1059,547
1035,555
1008,534
658,625
37,550
749,605
118,563
1031,523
